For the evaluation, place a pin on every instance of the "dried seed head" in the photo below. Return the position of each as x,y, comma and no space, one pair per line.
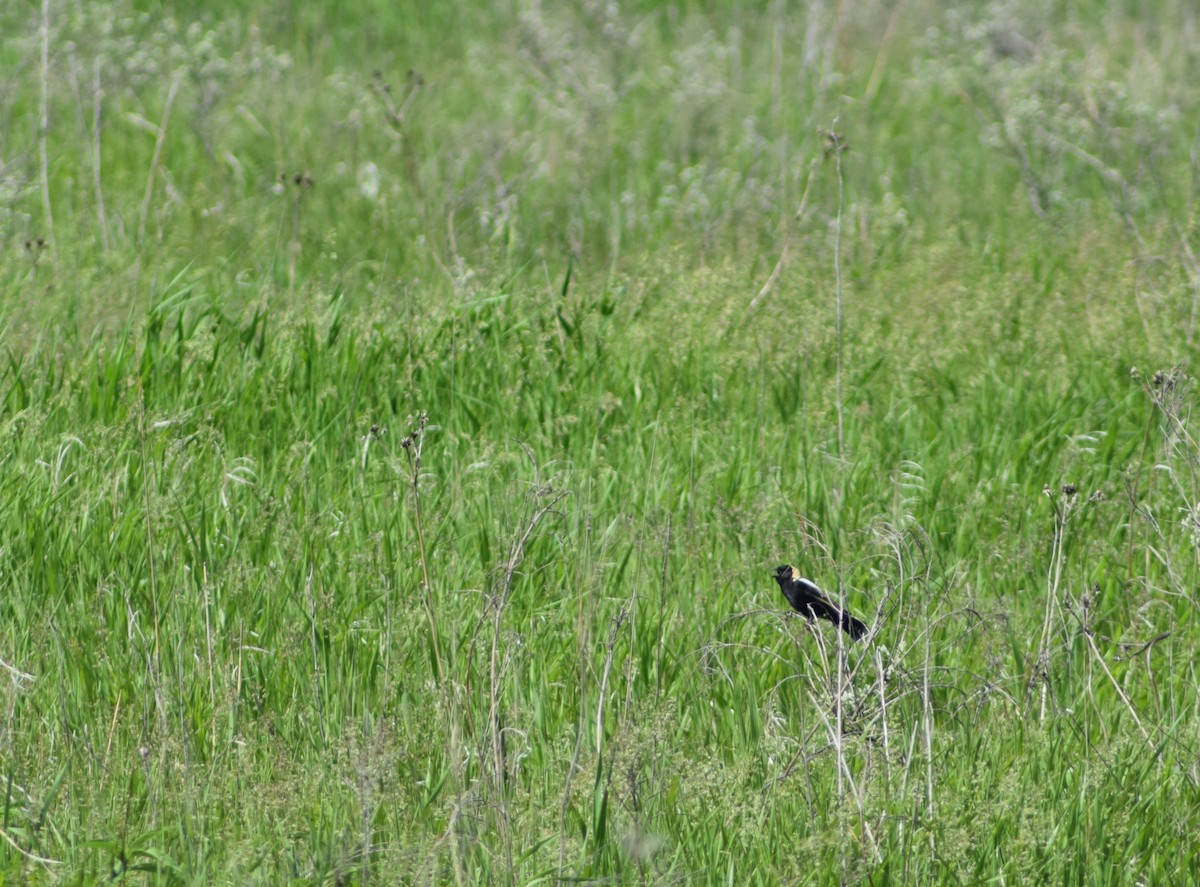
835,143
1069,490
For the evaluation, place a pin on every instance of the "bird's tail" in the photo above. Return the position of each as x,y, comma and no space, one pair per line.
856,628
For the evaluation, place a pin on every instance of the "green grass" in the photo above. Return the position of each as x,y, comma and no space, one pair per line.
416,525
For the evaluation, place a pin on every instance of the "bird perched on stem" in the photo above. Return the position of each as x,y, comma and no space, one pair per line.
811,602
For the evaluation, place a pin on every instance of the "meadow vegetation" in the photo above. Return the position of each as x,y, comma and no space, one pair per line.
404,405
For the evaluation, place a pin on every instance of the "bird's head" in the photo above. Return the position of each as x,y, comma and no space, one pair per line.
784,573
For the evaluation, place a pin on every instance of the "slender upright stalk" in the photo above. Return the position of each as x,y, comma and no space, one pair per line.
838,146
97,103
412,446
159,143
44,128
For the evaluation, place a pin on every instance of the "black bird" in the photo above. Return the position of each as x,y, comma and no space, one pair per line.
806,598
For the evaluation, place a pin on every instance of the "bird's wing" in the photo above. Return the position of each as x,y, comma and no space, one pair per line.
823,609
